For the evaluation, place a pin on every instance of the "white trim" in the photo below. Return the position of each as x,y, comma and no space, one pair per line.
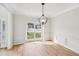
15,43
33,40
68,47
64,11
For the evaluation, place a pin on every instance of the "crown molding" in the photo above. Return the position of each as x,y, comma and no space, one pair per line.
64,11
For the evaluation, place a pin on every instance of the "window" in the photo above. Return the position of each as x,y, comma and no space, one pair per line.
37,34
38,26
30,25
30,35
33,30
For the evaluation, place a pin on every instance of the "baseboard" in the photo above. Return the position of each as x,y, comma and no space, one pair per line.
25,42
10,47
68,47
18,43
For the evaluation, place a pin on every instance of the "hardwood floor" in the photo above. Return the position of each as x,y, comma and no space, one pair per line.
38,48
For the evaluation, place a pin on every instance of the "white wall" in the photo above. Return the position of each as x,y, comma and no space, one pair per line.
47,30
7,16
10,30
66,29
20,28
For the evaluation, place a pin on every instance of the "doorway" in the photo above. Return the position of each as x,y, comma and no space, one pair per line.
3,41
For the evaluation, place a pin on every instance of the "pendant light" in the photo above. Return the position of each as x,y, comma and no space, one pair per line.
43,19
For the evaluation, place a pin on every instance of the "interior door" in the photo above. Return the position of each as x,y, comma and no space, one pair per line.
3,41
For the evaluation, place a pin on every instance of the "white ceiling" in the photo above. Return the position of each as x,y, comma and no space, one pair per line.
34,9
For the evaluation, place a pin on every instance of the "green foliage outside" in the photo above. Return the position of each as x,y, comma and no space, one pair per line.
30,35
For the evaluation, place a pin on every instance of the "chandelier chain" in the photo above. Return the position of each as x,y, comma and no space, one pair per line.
42,9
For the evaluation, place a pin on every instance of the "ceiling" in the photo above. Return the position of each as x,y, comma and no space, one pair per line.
34,9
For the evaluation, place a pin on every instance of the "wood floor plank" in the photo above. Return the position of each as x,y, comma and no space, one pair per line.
38,48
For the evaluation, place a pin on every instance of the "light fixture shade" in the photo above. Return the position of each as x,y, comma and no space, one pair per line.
43,20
